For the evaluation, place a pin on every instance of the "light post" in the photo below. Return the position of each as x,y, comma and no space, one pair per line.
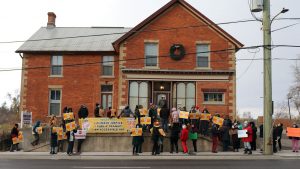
289,97
268,148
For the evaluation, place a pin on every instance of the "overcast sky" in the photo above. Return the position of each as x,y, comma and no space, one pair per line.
19,19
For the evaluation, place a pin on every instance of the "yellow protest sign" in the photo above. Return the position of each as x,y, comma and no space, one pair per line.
205,116
217,120
62,136
55,129
184,115
293,132
110,125
59,130
70,126
113,112
158,111
20,137
68,116
15,140
143,112
39,130
145,120
136,132
195,116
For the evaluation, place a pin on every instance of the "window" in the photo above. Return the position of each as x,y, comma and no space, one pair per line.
56,65
55,102
203,55
106,96
107,64
151,53
138,94
210,97
184,95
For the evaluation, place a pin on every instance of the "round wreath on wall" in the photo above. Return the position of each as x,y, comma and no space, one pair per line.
177,51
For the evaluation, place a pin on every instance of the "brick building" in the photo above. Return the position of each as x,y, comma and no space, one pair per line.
177,53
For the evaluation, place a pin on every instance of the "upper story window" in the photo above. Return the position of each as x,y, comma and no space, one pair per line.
108,66
151,54
203,55
56,65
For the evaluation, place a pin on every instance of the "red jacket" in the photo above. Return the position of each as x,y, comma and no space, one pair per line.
250,134
184,134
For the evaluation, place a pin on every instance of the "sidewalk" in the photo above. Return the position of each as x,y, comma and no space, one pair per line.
285,154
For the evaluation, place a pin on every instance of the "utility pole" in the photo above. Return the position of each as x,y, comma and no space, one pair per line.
268,148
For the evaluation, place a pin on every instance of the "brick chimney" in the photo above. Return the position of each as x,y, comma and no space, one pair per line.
51,20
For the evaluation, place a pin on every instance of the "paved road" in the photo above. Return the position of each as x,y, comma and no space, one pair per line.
149,164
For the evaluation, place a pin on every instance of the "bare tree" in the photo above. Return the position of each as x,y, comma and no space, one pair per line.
294,91
281,111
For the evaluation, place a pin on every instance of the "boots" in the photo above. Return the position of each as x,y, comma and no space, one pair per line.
246,151
250,152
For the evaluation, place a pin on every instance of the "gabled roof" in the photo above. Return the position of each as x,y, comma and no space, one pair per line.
189,8
73,39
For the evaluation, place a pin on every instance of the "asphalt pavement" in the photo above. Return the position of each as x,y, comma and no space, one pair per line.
149,164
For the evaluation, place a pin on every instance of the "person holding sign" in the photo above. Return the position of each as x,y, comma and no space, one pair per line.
175,130
137,114
36,134
137,142
14,136
248,139
53,136
295,141
164,117
215,133
157,133
204,124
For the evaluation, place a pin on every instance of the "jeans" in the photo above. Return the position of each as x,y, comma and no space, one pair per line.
247,145
36,140
80,141
70,147
155,148
174,142
164,123
135,149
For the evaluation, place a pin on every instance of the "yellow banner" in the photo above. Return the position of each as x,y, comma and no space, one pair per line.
111,125
184,115
217,120
145,120
136,132
205,116
63,136
20,137
70,126
39,130
195,116
68,116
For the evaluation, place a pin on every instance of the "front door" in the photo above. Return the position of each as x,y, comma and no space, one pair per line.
162,99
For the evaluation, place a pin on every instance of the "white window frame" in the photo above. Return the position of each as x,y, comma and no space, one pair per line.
157,53
214,102
110,63
55,101
106,93
56,64
199,55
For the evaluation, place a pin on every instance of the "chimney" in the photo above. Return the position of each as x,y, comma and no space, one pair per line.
51,20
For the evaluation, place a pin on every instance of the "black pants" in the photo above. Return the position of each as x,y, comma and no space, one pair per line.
279,143
36,140
140,148
60,145
70,147
195,145
274,146
135,149
155,148
253,145
174,142
225,145
235,141
80,141
14,147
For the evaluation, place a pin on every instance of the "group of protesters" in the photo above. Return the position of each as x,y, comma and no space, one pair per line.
165,122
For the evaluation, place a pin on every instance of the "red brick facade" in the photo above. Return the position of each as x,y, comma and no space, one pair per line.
81,84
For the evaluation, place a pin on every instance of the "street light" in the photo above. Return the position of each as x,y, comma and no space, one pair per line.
284,10
289,97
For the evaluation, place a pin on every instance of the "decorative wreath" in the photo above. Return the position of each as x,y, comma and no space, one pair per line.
177,51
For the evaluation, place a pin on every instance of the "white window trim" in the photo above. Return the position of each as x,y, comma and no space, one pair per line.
157,63
112,65
62,67
112,95
215,102
209,57
49,101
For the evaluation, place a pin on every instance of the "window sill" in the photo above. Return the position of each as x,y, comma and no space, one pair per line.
49,116
56,76
214,103
203,68
151,67
108,77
